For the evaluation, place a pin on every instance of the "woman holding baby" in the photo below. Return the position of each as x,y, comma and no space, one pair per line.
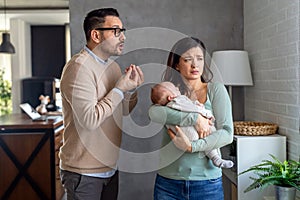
185,172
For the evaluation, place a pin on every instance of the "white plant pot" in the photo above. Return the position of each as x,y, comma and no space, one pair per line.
285,193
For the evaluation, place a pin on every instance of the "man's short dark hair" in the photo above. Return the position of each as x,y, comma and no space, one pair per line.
95,19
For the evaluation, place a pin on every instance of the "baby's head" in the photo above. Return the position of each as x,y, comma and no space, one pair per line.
164,92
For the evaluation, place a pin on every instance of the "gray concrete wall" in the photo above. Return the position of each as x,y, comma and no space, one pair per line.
153,27
218,23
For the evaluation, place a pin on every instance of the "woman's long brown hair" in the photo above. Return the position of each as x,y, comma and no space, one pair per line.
173,75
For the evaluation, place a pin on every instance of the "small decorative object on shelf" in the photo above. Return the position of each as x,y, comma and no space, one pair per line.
42,107
284,175
254,128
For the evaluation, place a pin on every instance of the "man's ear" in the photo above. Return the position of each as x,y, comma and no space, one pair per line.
95,36
176,67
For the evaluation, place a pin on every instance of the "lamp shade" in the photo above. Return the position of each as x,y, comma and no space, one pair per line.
6,46
231,67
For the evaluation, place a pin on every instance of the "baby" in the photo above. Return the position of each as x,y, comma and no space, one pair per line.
167,94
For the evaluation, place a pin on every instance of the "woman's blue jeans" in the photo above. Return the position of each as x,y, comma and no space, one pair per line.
169,189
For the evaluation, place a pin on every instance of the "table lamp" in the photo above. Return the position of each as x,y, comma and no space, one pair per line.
232,68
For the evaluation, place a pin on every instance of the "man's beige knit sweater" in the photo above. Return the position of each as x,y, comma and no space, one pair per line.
92,114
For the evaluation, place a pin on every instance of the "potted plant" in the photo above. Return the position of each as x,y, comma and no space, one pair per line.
284,175
5,95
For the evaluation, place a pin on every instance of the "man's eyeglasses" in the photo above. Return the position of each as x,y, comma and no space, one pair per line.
117,31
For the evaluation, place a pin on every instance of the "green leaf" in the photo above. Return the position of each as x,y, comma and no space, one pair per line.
286,173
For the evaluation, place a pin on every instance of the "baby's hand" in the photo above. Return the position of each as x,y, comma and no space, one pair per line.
199,104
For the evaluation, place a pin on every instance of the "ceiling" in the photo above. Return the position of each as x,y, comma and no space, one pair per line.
35,12
34,4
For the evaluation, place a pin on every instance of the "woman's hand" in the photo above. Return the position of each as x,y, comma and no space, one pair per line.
203,126
180,140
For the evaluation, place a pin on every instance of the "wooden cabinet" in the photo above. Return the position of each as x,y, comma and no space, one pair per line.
58,142
250,150
29,158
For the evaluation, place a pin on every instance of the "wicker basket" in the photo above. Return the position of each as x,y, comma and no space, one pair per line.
254,128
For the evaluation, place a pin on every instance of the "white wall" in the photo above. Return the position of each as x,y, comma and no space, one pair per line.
5,62
21,60
271,36
20,22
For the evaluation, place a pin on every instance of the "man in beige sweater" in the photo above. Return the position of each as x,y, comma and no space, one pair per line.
94,96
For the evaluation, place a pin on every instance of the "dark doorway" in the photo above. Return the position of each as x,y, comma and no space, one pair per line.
48,50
